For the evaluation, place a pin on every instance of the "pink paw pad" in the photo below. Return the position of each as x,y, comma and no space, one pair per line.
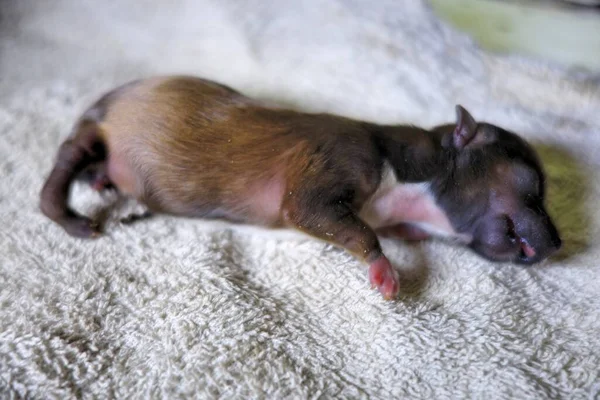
383,276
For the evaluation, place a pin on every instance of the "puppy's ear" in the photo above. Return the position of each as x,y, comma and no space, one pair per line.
468,133
466,128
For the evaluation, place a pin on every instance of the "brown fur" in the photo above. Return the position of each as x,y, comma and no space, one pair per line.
192,147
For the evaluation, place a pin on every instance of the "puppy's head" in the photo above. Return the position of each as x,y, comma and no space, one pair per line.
494,192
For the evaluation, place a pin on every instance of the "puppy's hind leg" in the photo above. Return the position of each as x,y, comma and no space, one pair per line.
83,148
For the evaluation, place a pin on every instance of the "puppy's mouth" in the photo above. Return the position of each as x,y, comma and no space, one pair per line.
526,254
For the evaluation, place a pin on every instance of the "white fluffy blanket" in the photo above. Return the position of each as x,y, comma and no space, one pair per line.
171,308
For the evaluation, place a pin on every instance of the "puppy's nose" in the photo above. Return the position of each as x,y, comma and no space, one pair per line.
557,243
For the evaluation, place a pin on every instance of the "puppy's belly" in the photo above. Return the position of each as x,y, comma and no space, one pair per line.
264,200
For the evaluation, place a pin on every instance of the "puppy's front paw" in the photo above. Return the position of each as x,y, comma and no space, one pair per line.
383,276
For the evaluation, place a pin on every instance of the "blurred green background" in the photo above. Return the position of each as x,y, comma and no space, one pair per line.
556,30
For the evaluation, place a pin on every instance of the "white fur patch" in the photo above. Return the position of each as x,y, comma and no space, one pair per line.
395,202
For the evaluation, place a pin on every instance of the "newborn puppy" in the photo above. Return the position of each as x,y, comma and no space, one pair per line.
191,147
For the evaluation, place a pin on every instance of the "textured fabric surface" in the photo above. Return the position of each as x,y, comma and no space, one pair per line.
170,307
